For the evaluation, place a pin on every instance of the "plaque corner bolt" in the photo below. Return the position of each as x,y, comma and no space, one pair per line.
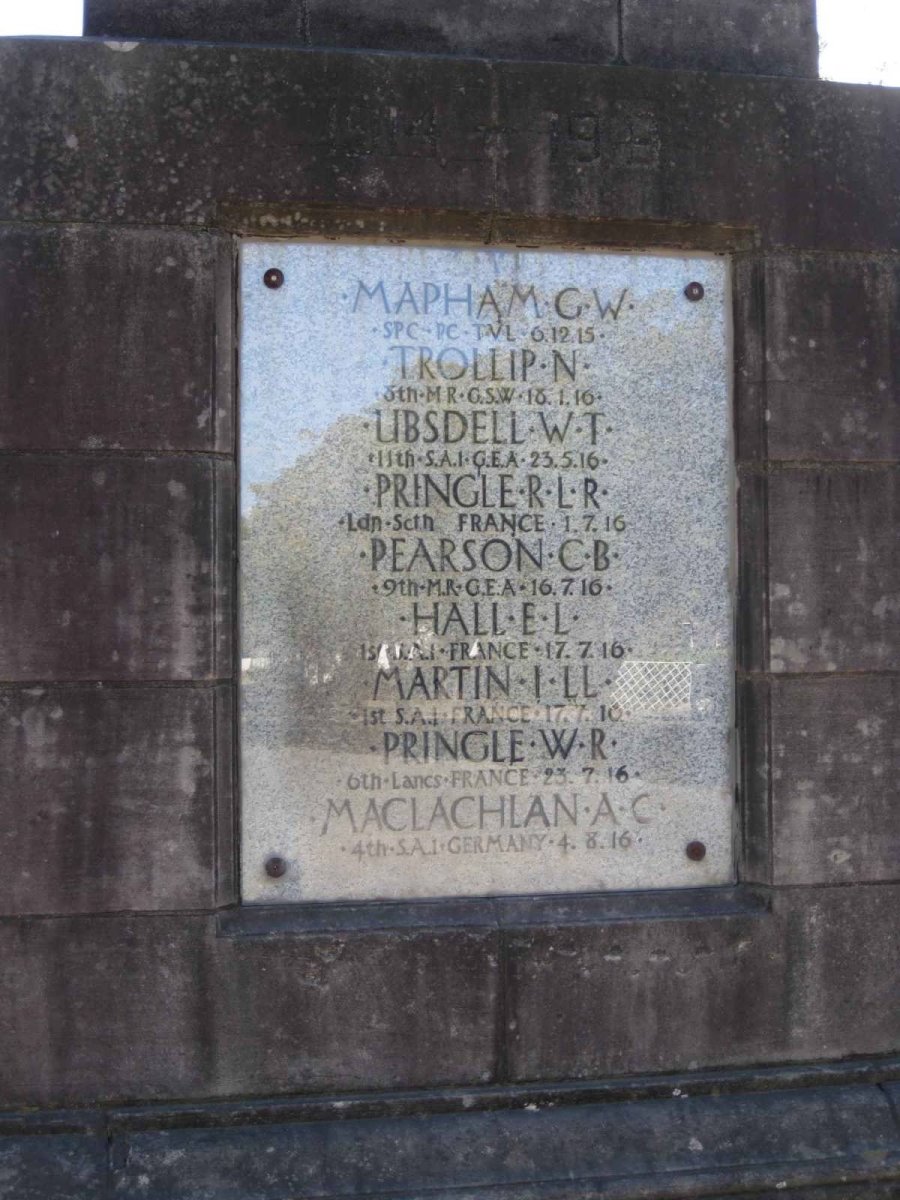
274,277
276,866
696,851
695,291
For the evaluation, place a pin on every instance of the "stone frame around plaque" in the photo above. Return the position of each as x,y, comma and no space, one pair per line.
752,848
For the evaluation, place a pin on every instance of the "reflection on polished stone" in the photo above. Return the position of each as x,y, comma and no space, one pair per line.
486,594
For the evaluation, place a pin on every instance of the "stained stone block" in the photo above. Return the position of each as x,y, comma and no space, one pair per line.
147,1007
749,329
777,37
561,30
752,611
835,757
587,1002
153,1006
590,1002
263,127
834,569
105,1009
107,799
832,371
197,20
113,568
225,798
107,339
841,969
703,149
753,722
356,1011
270,125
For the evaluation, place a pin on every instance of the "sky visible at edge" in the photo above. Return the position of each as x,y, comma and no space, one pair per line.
859,39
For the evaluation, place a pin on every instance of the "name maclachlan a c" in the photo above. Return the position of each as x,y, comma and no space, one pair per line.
414,814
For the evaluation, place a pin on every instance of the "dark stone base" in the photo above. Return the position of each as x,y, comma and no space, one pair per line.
805,1132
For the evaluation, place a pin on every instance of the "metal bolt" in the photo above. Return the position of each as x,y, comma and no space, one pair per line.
273,278
696,851
275,866
693,291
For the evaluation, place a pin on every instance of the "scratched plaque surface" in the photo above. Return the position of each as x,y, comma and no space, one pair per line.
486,572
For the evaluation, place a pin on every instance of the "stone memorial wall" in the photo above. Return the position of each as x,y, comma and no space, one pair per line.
362,416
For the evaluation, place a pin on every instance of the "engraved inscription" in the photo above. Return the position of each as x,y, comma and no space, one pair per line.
351,127
618,136
485,570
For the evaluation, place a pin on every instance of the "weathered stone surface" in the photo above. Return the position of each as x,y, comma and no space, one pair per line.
147,1007
265,126
53,1167
561,30
834,570
607,143
223,568
816,375
835,1139
777,37
157,1006
113,568
893,1090
754,844
355,1010
198,20
749,292
225,799
685,1144
832,372
865,1188
107,339
611,999
650,906
107,799
113,1007
835,760
269,126
752,611
584,31
841,1188
841,969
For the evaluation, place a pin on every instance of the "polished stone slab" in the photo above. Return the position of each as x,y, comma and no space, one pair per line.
486,571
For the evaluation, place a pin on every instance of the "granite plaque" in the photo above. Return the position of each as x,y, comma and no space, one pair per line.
486,571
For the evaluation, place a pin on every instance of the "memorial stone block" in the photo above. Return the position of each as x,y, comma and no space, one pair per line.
444,875
486,571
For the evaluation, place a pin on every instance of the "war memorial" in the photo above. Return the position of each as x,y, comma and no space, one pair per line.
450,602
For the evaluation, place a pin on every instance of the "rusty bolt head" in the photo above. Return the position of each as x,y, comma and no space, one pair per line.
273,278
696,851
694,291
275,866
